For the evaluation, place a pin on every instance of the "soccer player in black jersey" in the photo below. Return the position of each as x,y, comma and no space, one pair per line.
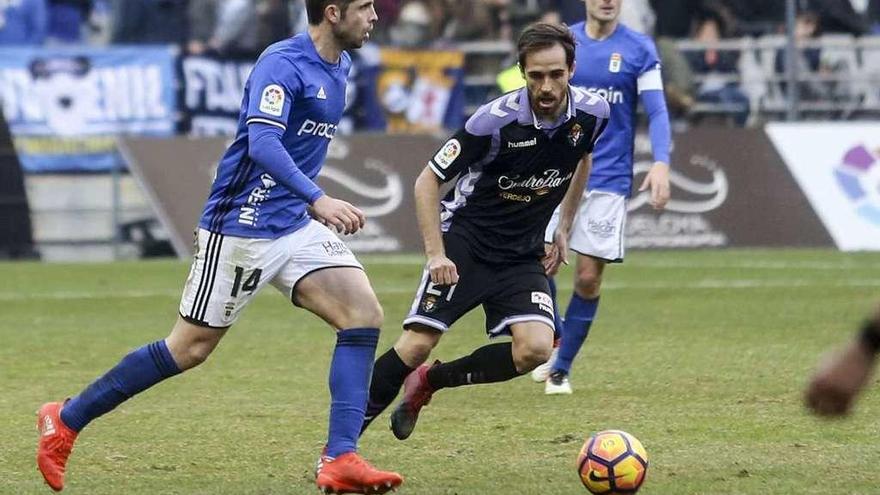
516,159
843,375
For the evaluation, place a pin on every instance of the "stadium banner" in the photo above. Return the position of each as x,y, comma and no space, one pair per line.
421,91
212,93
729,188
65,105
838,167
375,173
398,91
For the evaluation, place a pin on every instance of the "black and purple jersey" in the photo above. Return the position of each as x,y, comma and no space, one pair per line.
513,170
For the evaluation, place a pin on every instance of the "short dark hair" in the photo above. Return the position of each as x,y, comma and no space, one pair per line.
543,35
315,9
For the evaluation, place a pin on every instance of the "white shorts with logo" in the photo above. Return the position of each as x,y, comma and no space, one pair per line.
227,272
598,227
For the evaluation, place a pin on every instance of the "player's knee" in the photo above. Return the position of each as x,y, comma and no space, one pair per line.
193,354
587,284
416,344
531,355
417,351
365,314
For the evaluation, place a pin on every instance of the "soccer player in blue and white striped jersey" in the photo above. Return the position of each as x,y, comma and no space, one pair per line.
256,229
622,66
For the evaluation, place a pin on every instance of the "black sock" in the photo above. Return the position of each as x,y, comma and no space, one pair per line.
389,371
488,364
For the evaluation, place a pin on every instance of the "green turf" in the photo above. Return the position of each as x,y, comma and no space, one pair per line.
702,355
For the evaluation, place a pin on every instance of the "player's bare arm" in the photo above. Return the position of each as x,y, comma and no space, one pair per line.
843,374
657,180
427,193
557,253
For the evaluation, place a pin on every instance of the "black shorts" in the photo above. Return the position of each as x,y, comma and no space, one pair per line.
509,293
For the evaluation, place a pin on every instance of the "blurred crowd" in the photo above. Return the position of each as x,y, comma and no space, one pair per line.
247,26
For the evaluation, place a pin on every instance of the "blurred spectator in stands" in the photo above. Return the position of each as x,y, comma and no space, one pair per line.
23,22
299,20
757,17
100,22
149,21
67,19
388,11
413,27
273,22
202,23
808,60
678,78
638,15
715,68
236,31
567,11
472,20
675,18
844,16
873,14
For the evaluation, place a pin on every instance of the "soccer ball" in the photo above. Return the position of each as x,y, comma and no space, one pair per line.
612,462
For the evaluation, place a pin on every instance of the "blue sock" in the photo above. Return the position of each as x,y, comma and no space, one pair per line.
350,372
578,318
138,371
557,319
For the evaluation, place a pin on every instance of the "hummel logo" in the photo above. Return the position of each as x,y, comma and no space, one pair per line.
522,144
321,94
48,426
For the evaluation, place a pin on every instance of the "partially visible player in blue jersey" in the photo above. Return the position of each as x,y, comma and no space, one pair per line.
256,230
622,66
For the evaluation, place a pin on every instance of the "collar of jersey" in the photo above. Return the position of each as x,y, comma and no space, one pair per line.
314,55
527,115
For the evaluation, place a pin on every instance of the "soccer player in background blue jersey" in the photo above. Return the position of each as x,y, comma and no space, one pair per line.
622,66
256,230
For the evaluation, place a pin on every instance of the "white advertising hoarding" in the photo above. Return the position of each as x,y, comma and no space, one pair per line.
837,165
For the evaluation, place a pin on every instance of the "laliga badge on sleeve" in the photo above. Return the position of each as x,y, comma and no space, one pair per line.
272,101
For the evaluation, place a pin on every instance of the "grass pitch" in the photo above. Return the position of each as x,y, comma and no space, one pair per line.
701,355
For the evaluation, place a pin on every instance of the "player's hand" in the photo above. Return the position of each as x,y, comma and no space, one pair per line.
341,215
442,270
556,254
839,379
658,180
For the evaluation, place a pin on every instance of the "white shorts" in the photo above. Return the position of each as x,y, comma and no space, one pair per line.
598,227
227,272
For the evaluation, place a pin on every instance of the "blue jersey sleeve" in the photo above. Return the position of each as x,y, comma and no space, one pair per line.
650,89
274,83
658,124
650,59
265,148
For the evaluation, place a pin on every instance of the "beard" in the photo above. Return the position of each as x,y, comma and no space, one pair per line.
546,111
346,39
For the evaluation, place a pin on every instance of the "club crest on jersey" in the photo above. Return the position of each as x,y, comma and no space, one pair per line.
448,153
614,63
272,101
575,134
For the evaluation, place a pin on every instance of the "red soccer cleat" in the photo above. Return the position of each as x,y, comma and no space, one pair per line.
417,393
350,473
55,445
